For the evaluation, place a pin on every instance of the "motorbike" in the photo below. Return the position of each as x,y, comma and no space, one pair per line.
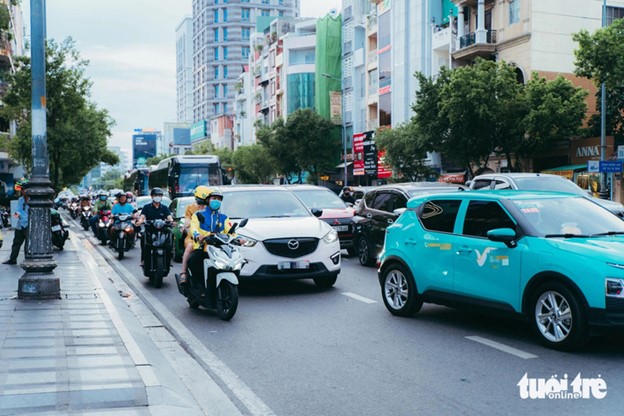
74,210
158,243
216,286
85,216
59,233
122,234
6,217
103,226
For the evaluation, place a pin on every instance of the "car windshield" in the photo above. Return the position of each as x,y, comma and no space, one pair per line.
569,216
546,183
262,204
318,198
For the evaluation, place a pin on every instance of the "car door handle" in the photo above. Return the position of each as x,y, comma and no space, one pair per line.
464,250
369,215
410,242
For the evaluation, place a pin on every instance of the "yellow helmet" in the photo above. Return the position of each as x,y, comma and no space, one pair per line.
202,193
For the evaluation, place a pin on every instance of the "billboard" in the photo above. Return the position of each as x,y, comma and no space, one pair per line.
198,131
367,160
143,147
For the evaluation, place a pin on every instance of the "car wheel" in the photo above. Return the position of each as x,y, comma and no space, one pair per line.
365,254
325,282
399,291
558,317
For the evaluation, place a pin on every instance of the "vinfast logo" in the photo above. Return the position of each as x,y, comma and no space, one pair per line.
562,388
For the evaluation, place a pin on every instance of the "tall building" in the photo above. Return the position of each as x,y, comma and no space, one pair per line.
177,138
184,70
221,47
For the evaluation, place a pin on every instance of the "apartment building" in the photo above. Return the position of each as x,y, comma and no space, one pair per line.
184,71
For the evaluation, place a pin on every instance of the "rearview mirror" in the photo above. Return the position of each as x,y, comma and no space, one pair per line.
503,235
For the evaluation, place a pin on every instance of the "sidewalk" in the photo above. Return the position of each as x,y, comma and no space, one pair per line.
95,350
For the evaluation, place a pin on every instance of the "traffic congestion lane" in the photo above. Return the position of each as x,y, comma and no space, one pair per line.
306,351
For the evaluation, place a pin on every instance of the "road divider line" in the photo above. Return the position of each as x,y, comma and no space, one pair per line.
358,297
502,347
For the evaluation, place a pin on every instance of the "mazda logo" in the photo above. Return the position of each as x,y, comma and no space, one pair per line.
293,244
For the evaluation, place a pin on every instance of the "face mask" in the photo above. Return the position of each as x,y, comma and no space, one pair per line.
157,199
215,204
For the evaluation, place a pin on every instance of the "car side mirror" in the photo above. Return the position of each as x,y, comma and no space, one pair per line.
503,235
317,212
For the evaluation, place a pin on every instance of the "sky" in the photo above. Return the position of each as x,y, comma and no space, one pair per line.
130,45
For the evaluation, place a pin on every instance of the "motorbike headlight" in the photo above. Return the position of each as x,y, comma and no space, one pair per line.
128,229
220,264
330,237
101,223
248,242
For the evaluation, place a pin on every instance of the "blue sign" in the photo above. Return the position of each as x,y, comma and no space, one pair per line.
611,166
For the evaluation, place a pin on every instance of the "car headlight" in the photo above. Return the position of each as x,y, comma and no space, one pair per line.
249,242
330,237
614,287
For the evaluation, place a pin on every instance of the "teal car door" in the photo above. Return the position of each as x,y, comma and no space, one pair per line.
484,269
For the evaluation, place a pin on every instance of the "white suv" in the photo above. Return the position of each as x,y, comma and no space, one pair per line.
284,240
539,182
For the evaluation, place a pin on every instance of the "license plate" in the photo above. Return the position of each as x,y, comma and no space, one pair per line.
289,265
56,228
341,228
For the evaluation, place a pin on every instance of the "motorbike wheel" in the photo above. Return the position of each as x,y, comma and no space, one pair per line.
103,237
227,300
85,226
120,248
159,272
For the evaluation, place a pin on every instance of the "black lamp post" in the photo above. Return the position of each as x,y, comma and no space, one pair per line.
39,281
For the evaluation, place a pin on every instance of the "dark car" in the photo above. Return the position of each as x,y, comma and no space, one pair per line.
379,209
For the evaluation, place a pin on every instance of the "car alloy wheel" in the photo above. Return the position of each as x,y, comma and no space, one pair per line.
558,317
399,291
364,252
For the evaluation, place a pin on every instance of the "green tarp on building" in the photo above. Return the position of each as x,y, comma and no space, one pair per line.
328,61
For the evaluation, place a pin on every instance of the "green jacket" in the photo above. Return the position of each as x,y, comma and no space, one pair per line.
102,206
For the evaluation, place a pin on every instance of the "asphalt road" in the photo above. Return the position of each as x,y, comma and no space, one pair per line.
305,351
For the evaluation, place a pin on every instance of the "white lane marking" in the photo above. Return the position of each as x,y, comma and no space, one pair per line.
502,347
358,297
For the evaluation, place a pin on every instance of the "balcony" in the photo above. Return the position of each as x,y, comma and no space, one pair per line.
372,124
372,59
372,23
469,48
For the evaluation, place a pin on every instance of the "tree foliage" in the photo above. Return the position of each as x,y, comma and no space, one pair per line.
77,130
253,164
305,142
600,57
471,112
405,152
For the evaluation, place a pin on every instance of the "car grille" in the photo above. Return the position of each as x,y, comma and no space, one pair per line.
291,247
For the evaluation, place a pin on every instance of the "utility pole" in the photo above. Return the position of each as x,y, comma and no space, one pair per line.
603,118
39,281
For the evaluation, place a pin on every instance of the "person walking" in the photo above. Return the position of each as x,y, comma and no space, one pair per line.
20,235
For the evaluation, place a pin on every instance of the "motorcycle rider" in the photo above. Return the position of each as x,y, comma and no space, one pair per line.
200,193
205,222
85,201
120,208
152,212
102,204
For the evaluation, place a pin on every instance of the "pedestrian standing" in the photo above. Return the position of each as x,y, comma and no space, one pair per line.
20,235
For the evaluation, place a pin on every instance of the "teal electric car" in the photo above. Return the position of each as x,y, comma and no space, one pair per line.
555,259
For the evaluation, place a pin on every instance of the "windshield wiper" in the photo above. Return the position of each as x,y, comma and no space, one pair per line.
608,233
568,235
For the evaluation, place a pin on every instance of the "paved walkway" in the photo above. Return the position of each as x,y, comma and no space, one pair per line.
97,350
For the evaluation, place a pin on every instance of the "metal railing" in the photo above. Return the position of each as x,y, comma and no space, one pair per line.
471,39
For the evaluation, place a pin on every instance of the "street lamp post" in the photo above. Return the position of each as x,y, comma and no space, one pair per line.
39,281
344,129
603,116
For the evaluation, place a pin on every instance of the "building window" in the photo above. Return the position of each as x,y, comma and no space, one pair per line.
225,71
514,11
216,91
281,13
301,56
216,54
281,2
244,1
216,16
216,72
224,108
265,2
216,34
225,90
614,13
246,33
225,34
225,52
245,15
215,108
265,13
245,52
224,15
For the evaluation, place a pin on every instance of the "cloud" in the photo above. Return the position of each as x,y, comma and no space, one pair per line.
148,58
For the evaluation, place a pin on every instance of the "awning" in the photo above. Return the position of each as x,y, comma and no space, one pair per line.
566,171
341,166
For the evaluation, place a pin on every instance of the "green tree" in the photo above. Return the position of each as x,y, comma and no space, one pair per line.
405,151
156,159
253,164
77,131
305,142
600,57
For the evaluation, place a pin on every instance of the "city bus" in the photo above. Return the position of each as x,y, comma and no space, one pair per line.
137,181
180,175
